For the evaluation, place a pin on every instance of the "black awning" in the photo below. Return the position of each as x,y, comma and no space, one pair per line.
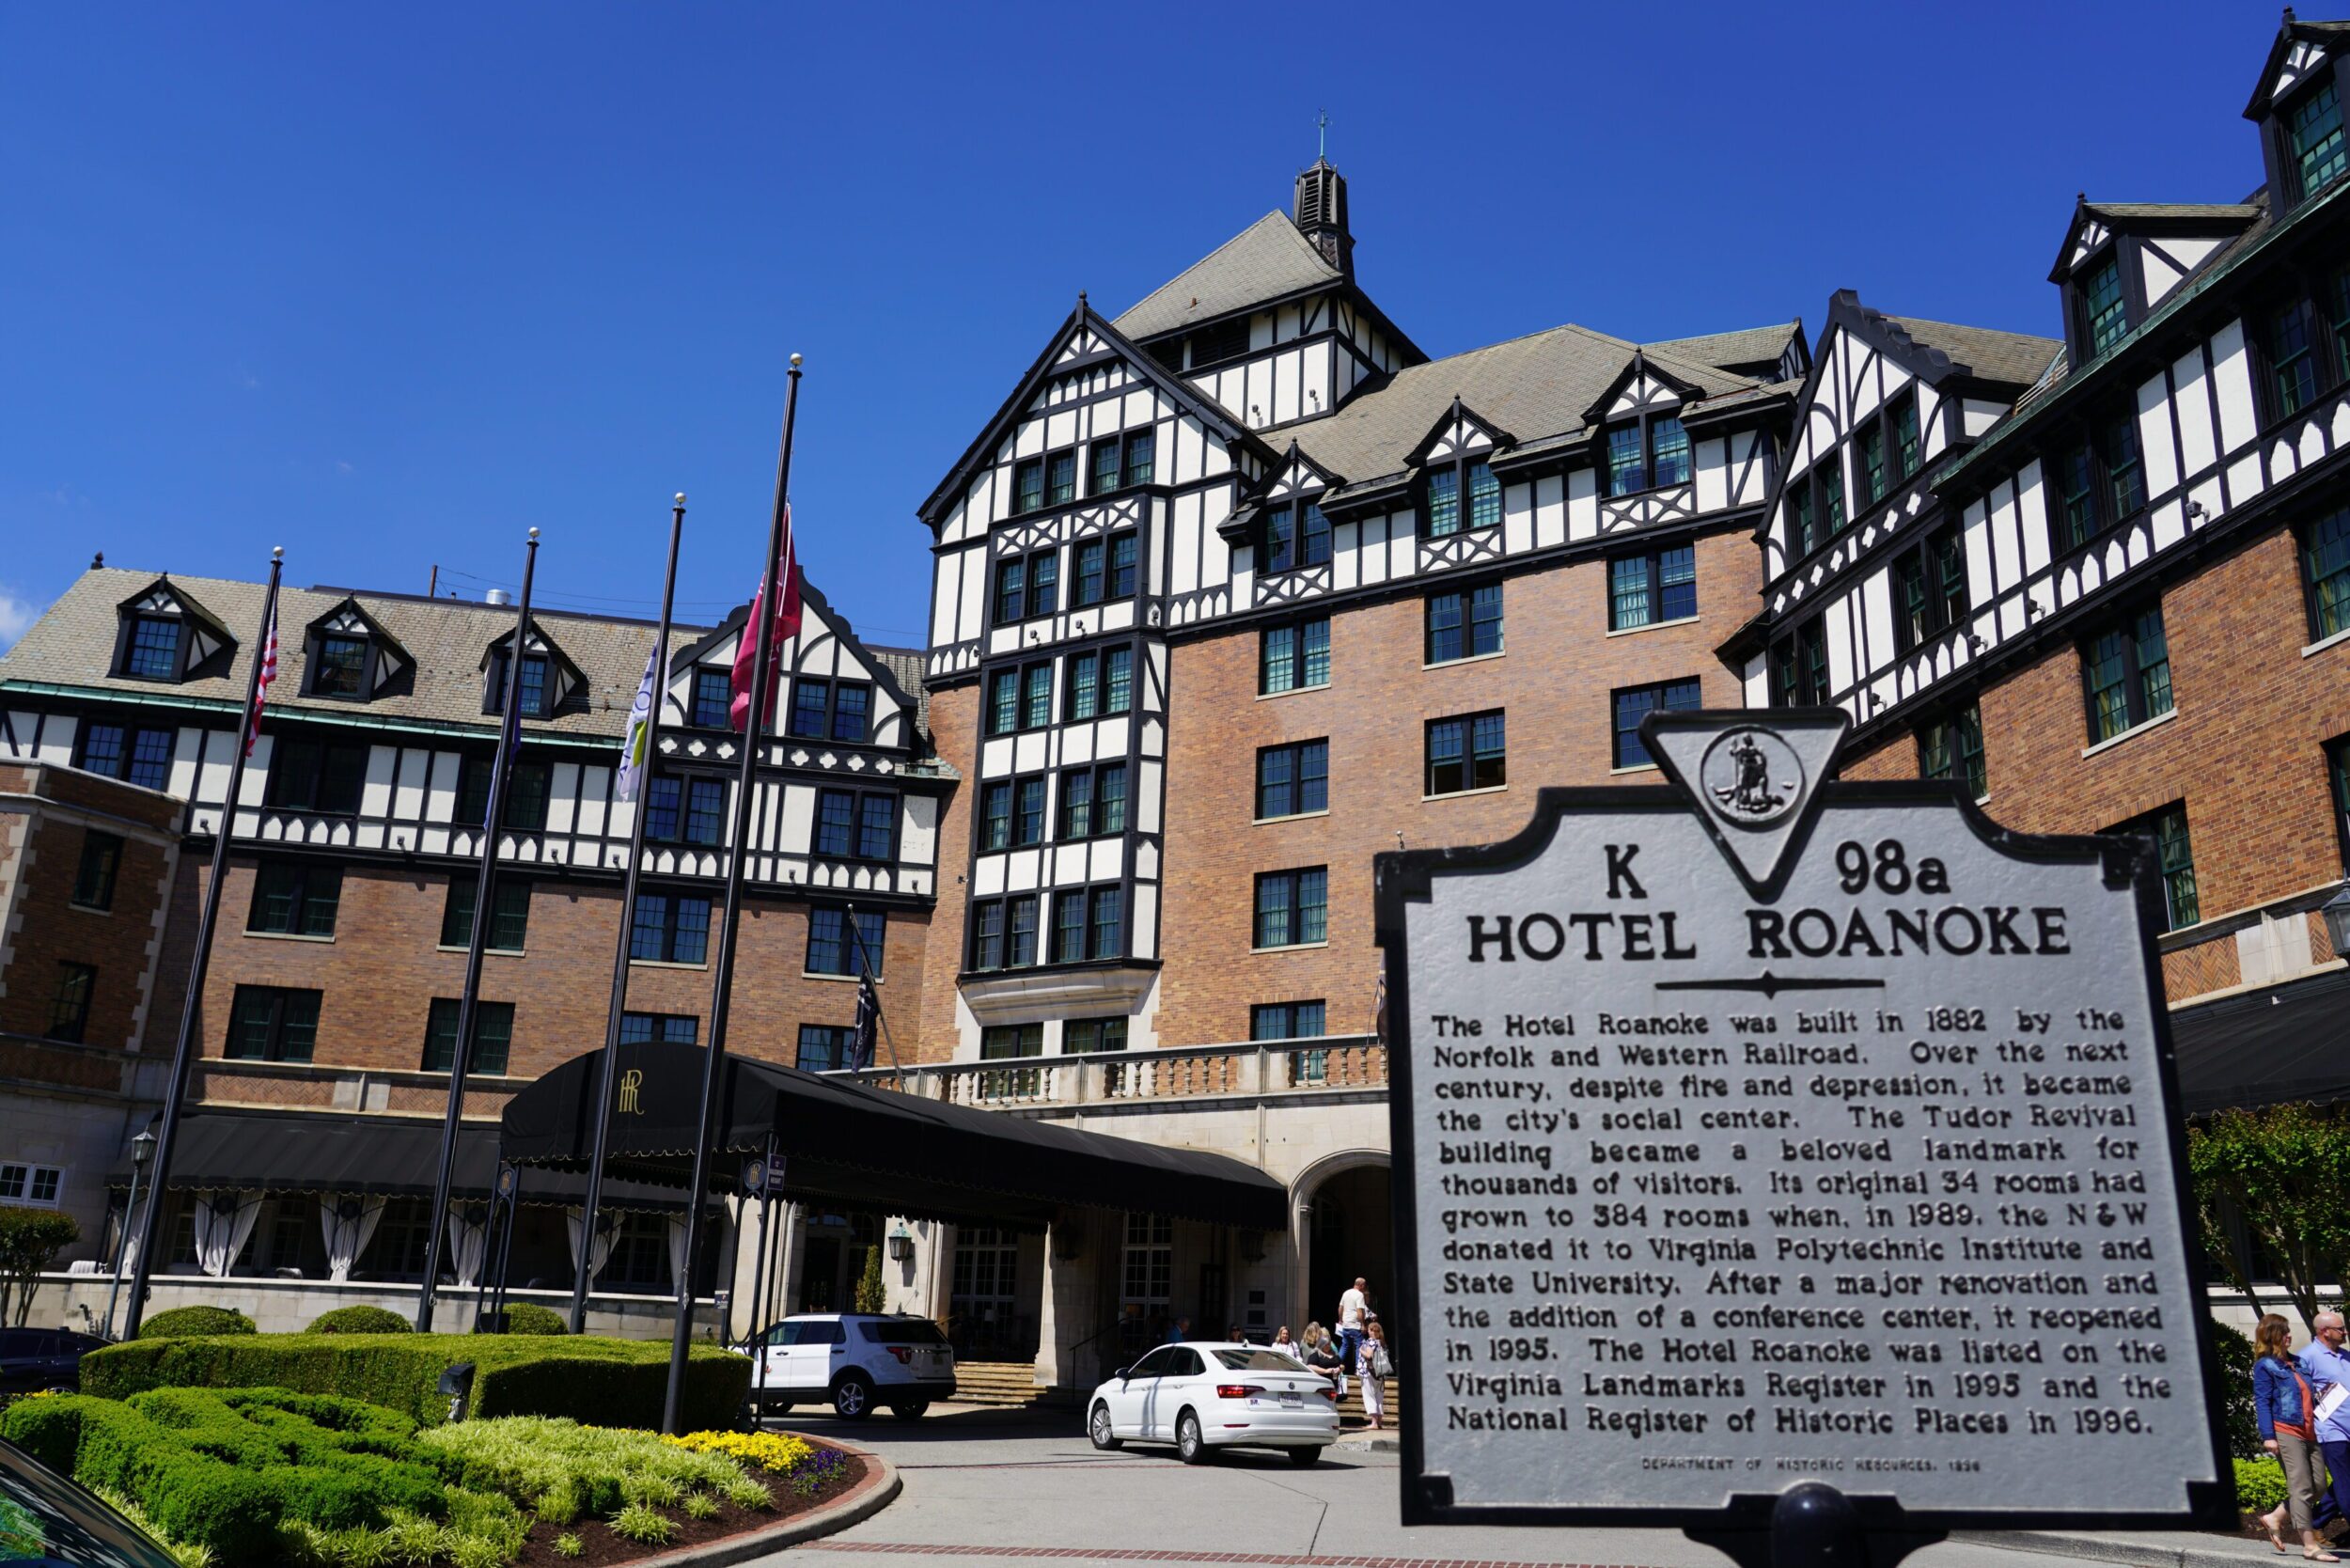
846,1142
2287,1043
303,1152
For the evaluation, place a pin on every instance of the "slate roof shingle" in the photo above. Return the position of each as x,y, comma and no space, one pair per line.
1266,260
2015,357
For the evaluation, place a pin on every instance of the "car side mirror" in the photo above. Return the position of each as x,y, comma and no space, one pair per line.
1122,1373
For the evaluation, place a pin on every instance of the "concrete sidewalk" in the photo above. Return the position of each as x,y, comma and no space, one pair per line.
2139,1549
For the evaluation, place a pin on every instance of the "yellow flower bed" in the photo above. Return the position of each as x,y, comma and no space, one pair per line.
769,1450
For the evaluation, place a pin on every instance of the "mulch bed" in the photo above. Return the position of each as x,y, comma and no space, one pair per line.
602,1546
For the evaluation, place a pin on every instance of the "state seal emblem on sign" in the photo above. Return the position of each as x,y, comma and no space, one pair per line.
1752,774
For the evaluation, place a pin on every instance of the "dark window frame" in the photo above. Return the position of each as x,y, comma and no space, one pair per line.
2138,675
1950,747
316,887
2328,532
126,762
645,1027
1297,758
828,719
995,920
69,1003
1799,675
1466,612
1043,467
317,787
2085,472
2097,328
1291,907
493,688
2174,860
129,647
1289,538
509,913
1653,588
1090,679
1467,475
492,1026
96,872
1098,559
1299,658
669,930
1480,769
859,824
1095,826
700,799
1930,594
873,934
282,1023
1663,696
1022,677
710,684
1025,587
317,665
1129,451
1646,422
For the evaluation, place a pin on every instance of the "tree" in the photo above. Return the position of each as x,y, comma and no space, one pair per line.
30,1240
2277,1173
871,1294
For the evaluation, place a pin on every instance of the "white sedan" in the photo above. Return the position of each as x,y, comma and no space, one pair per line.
1203,1397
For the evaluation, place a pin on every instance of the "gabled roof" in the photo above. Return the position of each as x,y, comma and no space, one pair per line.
1678,374
2325,35
890,672
2017,359
348,608
187,603
1268,261
2220,220
1048,364
1763,345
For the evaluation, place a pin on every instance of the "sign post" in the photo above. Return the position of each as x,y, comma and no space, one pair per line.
1790,1162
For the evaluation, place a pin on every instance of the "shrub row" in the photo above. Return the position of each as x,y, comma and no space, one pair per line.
598,1382
357,1319
180,1322
223,1470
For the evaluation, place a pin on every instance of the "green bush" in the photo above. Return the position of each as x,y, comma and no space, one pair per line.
221,1470
2259,1484
2231,1391
527,1317
601,1382
186,1322
30,1240
358,1320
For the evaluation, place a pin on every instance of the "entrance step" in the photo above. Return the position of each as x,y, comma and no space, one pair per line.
1351,1407
1009,1384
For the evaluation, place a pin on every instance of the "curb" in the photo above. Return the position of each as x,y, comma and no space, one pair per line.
2186,1550
879,1488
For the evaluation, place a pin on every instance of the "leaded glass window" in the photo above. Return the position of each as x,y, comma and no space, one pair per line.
1635,704
1444,502
2325,555
2103,311
2314,130
1484,496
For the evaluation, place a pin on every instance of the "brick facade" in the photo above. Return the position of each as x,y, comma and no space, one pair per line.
930,1035
1554,679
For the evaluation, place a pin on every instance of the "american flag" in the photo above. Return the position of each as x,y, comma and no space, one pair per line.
260,687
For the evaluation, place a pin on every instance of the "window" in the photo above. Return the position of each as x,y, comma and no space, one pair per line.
1019,698
1467,753
2337,319
1869,453
2326,565
1060,479
153,653
825,1048
492,1036
2337,775
1089,922
2105,314
1929,589
834,950
2076,497
1444,497
2175,856
295,897
1045,481
1141,456
1120,462
1123,557
1627,474
830,710
853,825
1101,684
2128,673
1292,908
1635,703
34,1184
1147,1268
268,1023
1287,1021
1952,748
684,810
538,688
1291,658
1648,453
1003,932
1444,502
2125,476
317,775
995,816
1225,340
1803,534
1799,666
1093,801
141,757
1464,625
1650,590
69,1004
509,913
1027,485
638,1029
670,928
94,878
1010,1042
2314,138
1292,780
1105,570
2292,357
714,698
1027,819
1831,480
1109,922
1901,423
340,666
1669,451
1295,536
526,789
1068,926
1105,470
1080,1036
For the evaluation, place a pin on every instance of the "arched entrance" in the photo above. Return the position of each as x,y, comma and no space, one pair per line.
1345,1231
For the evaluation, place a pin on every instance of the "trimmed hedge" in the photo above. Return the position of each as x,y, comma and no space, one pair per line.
223,1469
182,1321
2259,1484
358,1320
528,1317
595,1381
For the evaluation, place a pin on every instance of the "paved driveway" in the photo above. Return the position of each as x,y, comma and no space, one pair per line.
987,1486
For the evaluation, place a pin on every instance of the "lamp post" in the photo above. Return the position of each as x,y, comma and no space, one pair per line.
2337,913
141,1151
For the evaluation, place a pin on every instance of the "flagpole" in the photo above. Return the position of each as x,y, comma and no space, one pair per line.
722,981
628,915
865,978
191,1006
469,1005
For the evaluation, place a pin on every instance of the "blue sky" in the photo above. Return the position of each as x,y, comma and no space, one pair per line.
389,286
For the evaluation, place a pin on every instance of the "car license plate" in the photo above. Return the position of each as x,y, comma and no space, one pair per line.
1292,1401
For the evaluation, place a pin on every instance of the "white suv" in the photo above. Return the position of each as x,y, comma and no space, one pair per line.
852,1361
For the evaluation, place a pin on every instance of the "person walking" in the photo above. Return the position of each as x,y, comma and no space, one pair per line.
2285,1407
2324,1364
1354,1306
1374,1365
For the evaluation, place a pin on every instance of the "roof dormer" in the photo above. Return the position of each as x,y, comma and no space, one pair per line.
163,635
2298,107
347,657
551,683
2121,260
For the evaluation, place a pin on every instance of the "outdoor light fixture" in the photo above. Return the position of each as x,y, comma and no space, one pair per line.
901,1243
143,1148
2337,913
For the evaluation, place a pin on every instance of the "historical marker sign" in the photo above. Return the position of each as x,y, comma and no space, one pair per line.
1760,1130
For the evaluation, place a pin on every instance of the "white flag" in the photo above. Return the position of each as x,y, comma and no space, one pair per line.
624,783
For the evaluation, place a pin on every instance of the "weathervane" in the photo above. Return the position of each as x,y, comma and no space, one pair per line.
1322,137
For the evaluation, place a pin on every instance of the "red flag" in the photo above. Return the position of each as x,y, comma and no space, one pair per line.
261,688
747,648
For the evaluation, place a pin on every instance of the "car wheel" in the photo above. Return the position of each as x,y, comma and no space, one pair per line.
1098,1428
1190,1447
853,1398
910,1410
1304,1457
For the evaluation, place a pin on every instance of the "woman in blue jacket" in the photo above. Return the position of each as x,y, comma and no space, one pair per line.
2286,1409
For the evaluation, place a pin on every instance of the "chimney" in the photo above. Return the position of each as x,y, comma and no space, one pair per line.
1321,214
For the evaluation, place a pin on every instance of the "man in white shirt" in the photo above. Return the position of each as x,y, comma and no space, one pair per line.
1353,1308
